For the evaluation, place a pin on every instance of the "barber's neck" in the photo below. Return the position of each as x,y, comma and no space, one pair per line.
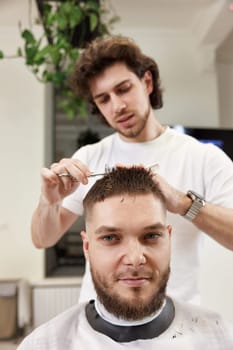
151,131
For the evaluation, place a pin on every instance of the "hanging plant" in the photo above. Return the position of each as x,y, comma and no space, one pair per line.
68,25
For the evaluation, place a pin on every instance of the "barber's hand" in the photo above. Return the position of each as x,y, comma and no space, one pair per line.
55,187
176,201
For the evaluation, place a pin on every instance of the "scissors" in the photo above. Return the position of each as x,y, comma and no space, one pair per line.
107,170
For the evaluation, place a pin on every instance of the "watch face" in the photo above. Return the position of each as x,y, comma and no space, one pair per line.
194,195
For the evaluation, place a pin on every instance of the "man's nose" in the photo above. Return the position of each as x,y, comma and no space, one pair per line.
134,254
118,105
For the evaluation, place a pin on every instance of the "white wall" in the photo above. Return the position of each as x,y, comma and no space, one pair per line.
190,88
225,84
190,97
22,104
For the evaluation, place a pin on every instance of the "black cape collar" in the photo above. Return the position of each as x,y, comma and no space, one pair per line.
123,334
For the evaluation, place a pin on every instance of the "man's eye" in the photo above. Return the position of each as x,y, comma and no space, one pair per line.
152,236
103,101
110,238
124,89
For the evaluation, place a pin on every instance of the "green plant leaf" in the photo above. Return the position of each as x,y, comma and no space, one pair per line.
93,6
1,54
61,41
28,36
54,54
40,56
74,55
76,17
62,20
93,18
47,8
30,54
58,78
50,18
19,52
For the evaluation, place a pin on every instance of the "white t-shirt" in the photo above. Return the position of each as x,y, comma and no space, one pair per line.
187,165
193,328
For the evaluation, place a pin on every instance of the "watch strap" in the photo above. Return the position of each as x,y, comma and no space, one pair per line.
198,202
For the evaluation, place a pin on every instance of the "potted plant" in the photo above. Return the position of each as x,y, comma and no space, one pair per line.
68,25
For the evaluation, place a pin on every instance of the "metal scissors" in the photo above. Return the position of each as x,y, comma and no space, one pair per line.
107,170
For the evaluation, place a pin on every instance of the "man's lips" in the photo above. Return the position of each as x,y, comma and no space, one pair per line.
134,282
124,119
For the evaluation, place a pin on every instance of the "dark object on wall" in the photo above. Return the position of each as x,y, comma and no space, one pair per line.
223,138
87,137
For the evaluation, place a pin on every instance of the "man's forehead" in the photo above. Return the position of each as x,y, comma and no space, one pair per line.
145,204
110,77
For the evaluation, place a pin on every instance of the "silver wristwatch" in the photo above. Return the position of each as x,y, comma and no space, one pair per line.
197,203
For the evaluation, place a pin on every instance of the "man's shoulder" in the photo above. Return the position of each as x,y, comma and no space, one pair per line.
201,319
58,330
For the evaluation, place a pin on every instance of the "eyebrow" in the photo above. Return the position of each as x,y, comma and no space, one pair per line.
112,229
115,87
157,226
106,229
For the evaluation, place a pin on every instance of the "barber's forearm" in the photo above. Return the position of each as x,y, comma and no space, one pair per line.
45,225
214,220
217,222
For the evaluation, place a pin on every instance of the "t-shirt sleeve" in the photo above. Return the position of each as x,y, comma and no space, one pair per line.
218,175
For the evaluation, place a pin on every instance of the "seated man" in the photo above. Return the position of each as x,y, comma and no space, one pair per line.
127,243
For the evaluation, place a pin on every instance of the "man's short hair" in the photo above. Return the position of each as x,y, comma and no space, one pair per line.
104,52
133,180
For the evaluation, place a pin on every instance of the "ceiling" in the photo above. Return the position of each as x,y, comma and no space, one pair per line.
210,20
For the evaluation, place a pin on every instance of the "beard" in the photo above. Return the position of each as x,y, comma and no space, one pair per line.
137,129
130,309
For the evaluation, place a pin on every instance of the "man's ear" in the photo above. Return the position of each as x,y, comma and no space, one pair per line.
85,239
169,230
148,79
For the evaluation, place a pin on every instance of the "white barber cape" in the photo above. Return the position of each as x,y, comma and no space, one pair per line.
192,328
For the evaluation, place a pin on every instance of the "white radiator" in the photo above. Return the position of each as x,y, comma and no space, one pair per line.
50,300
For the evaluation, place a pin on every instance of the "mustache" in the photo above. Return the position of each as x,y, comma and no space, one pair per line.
135,273
123,114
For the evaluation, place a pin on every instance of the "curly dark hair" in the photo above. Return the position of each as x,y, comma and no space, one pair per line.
102,53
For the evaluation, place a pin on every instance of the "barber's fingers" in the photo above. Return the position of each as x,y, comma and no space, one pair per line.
55,188
60,177
49,176
71,170
50,181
